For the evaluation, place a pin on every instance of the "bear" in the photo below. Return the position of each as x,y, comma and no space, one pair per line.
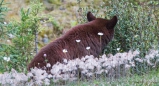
85,39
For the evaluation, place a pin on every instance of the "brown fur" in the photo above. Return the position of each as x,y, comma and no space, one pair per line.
87,33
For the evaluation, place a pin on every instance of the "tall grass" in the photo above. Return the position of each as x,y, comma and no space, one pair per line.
150,79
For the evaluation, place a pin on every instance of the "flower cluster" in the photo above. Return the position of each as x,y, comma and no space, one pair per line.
152,58
13,78
87,67
39,76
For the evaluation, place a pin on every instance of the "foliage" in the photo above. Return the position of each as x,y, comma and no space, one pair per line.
21,37
52,30
137,29
57,2
112,70
3,25
150,79
137,26
3,10
17,49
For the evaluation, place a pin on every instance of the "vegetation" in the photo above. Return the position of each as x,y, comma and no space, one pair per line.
135,80
3,26
138,28
107,70
20,35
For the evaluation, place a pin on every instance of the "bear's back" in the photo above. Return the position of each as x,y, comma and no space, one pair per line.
67,46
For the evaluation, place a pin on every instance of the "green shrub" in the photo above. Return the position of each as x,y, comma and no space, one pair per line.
3,47
137,26
19,40
20,49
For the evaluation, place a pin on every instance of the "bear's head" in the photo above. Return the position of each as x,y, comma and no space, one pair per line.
109,24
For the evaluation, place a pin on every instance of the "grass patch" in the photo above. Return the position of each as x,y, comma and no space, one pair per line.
149,79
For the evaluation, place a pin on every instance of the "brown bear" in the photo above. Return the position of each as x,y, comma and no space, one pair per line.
95,34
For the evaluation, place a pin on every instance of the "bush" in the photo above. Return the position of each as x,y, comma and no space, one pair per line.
137,27
18,49
19,39
3,25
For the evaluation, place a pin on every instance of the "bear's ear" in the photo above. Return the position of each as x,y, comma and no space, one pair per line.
90,16
112,22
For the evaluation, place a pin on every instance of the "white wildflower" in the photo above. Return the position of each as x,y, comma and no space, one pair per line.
114,63
48,65
8,41
83,59
45,55
39,75
64,50
65,77
78,41
88,48
118,49
136,52
100,33
12,78
132,63
135,36
127,66
49,76
5,22
11,35
84,71
47,81
6,58
100,71
157,55
30,74
89,65
149,56
139,60
89,74
81,65
148,61
56,68
65,60
106,71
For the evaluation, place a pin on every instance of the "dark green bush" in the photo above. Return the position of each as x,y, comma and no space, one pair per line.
3,25
137,26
